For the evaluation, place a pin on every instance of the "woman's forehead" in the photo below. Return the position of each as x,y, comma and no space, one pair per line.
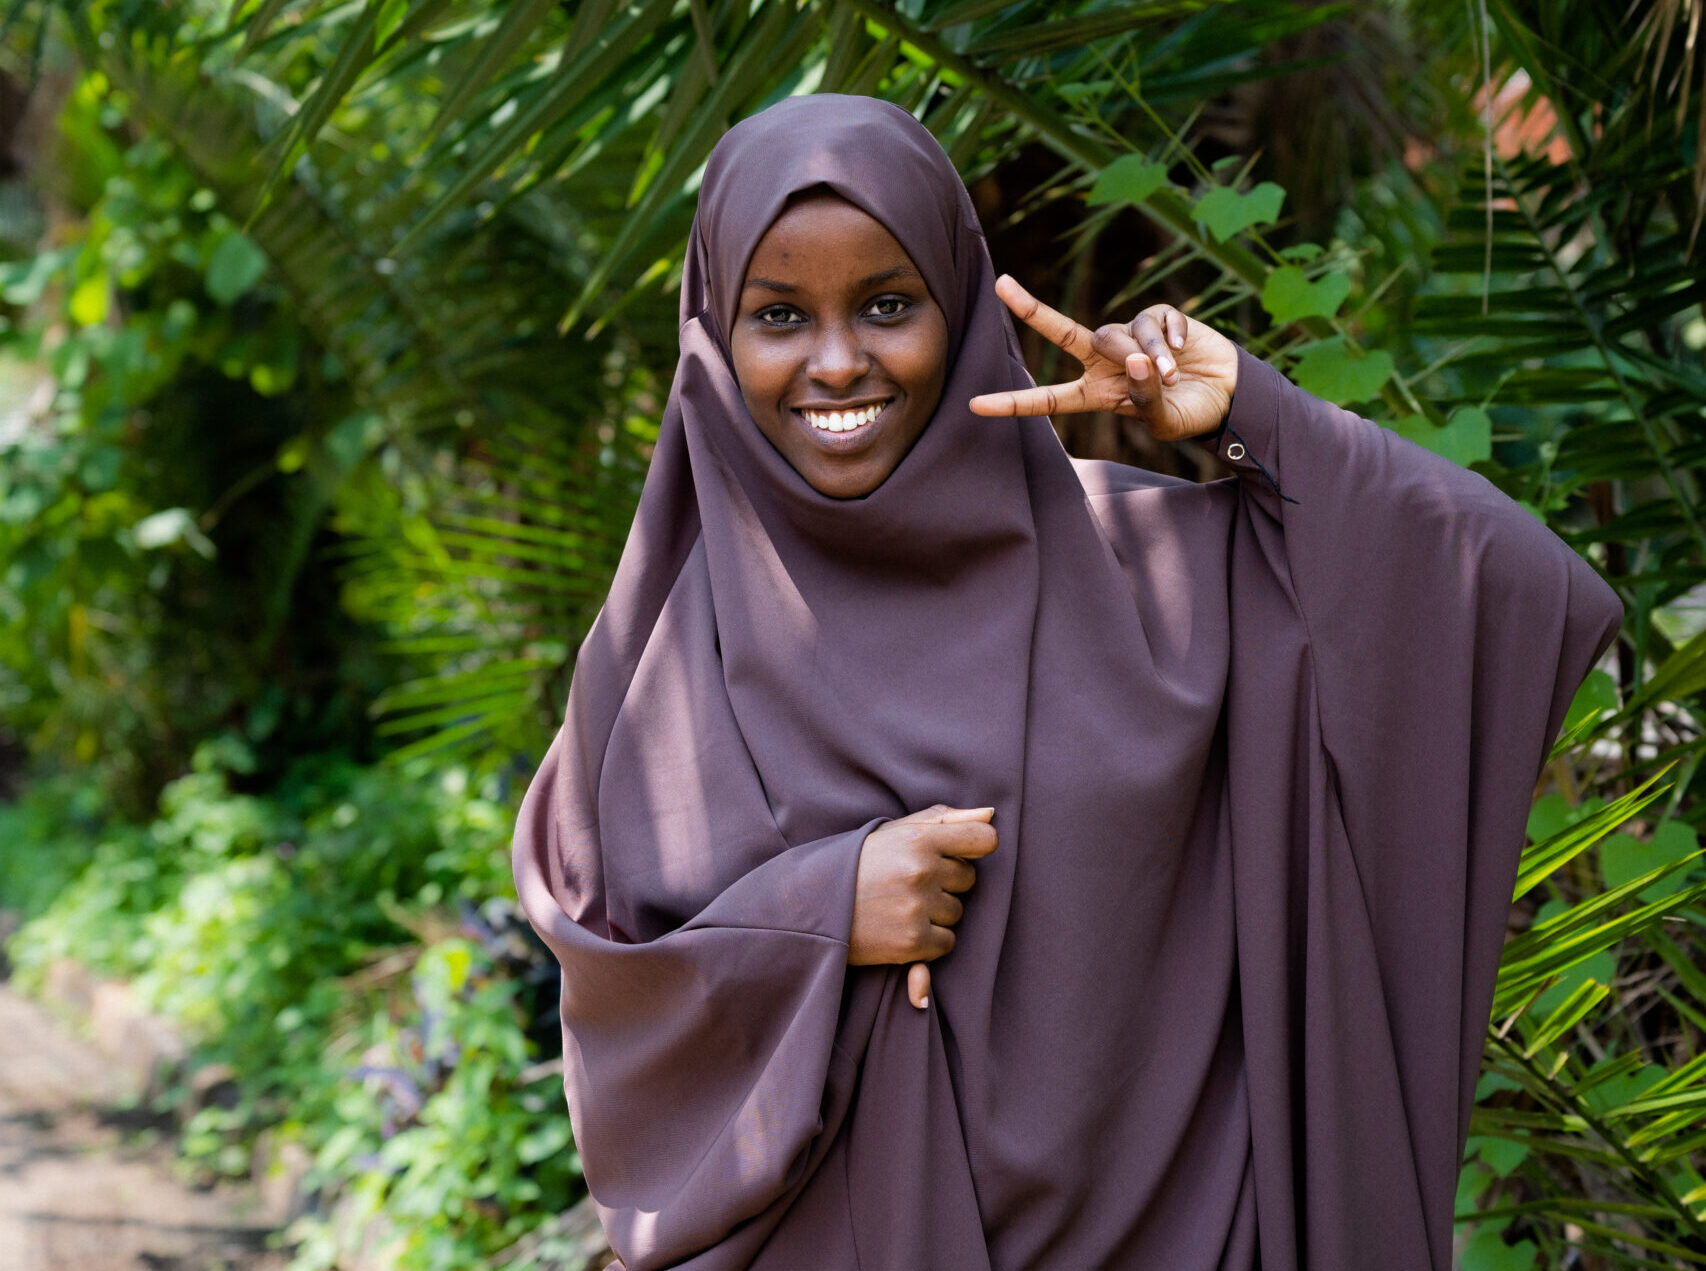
871,153
820,223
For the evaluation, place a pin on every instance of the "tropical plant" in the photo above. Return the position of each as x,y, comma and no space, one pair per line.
1564,302
150,566
450,188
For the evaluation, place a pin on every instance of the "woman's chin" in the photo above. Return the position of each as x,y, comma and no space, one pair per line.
842,483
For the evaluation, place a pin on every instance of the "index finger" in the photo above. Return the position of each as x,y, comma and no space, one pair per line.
942,814
1052,325
1050,399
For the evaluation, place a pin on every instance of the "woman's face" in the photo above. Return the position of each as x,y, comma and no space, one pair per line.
838,346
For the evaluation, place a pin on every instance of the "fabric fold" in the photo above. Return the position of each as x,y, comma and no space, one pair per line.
1437,632
749,990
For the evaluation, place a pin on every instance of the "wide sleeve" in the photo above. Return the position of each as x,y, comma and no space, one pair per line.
700,1065
1406,642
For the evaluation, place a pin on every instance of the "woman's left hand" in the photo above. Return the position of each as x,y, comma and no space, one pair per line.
1171,372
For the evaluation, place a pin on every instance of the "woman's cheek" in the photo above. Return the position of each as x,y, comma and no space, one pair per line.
773,371
762,377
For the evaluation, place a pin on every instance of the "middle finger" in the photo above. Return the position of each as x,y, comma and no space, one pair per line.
956,874
946,910
1146,329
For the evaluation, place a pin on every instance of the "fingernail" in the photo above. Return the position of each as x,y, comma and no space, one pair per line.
924,1005
1178,342
1140,371
1165,365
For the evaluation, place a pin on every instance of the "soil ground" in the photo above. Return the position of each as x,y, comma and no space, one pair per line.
86,1185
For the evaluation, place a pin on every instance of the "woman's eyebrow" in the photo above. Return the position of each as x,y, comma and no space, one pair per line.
870,280
883,275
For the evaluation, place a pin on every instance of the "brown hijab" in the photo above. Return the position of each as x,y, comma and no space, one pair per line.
1238,939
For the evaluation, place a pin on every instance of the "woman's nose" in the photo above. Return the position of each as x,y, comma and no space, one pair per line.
837,360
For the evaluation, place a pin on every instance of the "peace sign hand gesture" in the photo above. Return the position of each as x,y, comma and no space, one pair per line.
1169,371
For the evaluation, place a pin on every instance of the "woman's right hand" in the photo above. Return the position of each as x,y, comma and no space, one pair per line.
910,873
1174,374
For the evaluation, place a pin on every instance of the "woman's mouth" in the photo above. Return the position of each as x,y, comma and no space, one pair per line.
840,427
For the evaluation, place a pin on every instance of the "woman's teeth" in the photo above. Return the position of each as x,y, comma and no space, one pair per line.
843,420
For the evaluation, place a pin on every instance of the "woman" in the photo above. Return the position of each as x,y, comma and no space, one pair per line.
962,856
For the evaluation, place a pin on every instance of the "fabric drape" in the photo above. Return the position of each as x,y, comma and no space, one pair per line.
1261,752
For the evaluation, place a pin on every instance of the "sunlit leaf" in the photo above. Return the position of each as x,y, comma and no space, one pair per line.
1466,438
173,525
1290,294
1487,1251
1331,370
90,301
1131,178
1227,212
1623,857
234,266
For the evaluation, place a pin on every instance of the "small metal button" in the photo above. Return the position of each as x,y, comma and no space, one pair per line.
1235,450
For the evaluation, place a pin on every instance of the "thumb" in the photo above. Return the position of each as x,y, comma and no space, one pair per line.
947,816
918,984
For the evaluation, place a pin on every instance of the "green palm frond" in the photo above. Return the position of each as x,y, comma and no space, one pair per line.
499,490
1564,298
1555,1102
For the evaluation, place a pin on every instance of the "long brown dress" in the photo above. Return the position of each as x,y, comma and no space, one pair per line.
1261,752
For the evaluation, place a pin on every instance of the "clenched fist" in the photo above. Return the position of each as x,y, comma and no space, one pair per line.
911,874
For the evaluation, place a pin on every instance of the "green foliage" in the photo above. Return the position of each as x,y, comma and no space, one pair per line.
1335,370
1289,294
105,880
242,899
444,188
451,1134
327,941
62,819
1131,178
1576,1085
1466,438
150,551
1227,212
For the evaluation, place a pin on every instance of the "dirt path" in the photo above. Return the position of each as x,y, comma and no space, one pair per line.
80,1189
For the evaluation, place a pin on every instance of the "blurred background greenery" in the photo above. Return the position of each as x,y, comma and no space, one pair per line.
333,336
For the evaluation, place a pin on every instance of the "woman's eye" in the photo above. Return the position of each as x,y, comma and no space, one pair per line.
900,305
775,316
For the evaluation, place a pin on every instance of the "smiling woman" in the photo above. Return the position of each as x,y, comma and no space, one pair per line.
839,347
968,858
